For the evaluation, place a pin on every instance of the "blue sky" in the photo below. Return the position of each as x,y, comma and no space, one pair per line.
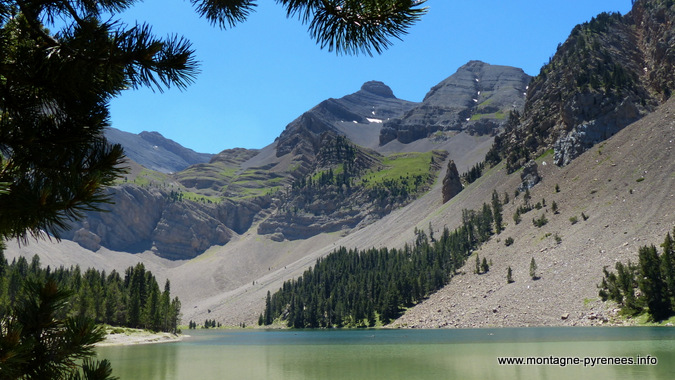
259,76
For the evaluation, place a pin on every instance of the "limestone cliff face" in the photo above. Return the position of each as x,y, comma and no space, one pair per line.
130,221
187,229
477,98
143,219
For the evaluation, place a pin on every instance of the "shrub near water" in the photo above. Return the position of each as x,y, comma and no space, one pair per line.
654,275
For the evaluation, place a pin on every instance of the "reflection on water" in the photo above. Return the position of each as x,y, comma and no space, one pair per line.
395,354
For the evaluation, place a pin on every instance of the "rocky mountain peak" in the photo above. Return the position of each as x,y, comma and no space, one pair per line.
378,88
477,98
373,103
154,151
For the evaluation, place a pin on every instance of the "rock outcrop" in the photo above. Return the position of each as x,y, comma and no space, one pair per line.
87,239
451,183
529,176
609,73
186,230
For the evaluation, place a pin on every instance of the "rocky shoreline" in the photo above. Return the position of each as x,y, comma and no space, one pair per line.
136,336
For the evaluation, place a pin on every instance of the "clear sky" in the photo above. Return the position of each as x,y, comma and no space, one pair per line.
259,76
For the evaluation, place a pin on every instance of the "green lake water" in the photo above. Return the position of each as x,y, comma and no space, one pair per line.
399,354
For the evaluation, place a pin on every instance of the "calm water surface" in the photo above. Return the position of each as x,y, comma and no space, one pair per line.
397,354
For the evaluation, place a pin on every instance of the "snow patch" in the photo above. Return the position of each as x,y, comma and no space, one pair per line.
374,120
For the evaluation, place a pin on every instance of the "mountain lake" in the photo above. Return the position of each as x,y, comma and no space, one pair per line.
602,353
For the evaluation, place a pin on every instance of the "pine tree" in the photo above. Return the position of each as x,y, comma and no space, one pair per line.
497,212
652,285
36,342
527,197
554,207
509,275
268,309
165,307
533,269
668,264
484,266
625,284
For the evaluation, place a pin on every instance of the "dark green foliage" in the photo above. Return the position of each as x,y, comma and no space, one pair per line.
267,318
359,288
355,26
652,285
133,301
508,241
509,275
557,188
554,208
668,263
653,276
474,173
540,222
533,269
484,267
38,342
497,212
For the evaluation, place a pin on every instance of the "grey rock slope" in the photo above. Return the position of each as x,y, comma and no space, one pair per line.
358,116
154,151
477,98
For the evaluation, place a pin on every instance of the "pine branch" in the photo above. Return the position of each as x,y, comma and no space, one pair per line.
353,27
224,13
154,63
